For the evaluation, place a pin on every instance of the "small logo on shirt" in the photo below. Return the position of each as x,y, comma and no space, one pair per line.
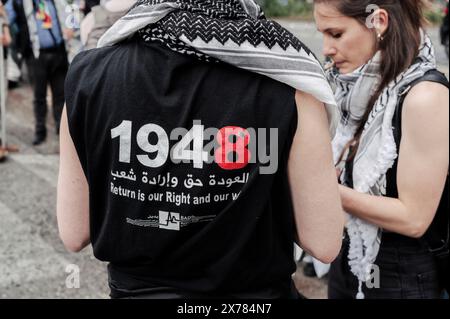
169,220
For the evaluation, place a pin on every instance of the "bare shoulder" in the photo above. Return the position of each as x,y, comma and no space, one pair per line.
427,97
307,103
425,114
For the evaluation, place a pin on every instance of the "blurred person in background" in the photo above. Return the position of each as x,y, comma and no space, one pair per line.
42,43
5,40
445,29
101,18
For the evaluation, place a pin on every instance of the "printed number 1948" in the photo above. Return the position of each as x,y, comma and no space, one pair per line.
231,154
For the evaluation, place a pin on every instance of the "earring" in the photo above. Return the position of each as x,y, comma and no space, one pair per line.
380,37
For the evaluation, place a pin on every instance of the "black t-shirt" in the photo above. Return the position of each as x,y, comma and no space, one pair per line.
220,222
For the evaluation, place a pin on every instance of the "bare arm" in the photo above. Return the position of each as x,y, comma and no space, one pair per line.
73,194
318,211
422,167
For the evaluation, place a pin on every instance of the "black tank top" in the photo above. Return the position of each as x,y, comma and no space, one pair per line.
174,202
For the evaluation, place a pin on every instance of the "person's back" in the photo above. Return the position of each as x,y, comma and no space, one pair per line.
127,104
189,163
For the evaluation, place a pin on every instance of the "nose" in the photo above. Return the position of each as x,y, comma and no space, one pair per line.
328,48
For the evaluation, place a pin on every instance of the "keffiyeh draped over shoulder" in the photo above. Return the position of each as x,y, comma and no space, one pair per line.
231,31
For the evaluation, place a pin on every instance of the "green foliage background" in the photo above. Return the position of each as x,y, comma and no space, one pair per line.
303,8
281,8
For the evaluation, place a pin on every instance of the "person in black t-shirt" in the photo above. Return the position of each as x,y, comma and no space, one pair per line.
193,177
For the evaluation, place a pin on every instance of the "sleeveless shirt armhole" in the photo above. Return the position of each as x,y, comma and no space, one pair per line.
294,121
75,115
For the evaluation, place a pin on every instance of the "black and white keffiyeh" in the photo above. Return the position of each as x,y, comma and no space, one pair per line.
377,151
232,31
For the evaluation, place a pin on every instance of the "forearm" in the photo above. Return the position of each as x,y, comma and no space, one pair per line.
318,211
73,194
73,221
390,214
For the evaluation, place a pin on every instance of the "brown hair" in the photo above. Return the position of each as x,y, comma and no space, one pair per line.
399,46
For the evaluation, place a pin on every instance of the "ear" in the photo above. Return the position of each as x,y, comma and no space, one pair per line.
381,21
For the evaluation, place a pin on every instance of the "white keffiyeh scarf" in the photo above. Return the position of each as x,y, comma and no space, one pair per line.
232,31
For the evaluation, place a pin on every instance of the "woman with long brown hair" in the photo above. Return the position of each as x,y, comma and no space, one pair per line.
387,87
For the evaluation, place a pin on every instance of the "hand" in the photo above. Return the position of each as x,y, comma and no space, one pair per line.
346,196
68,34
6,38
338,172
